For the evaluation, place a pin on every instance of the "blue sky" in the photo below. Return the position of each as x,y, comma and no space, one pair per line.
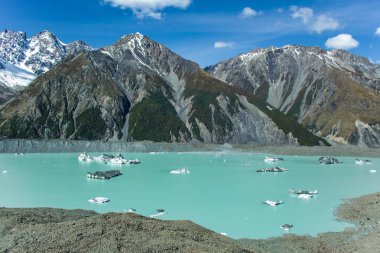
205,31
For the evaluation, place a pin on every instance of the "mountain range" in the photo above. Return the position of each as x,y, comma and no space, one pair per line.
137,89
22,58
333,93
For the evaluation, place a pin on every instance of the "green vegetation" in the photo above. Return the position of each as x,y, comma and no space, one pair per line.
263,90
296,108
90,125
201,109
15,127
288,124
70,129
205,91
155,119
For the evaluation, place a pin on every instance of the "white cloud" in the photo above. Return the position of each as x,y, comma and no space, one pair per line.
316,24
324,23
148,8
223,44
248,12
377,33
305,13
342,41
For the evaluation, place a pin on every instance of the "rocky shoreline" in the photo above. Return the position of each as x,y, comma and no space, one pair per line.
69,146
58,230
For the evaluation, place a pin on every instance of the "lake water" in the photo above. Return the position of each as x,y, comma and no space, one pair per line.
222,193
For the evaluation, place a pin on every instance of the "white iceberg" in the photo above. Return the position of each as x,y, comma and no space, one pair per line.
180,171
286,227
363,162
273,159
108,159
99,200
273,203
84,157
305,196
299,192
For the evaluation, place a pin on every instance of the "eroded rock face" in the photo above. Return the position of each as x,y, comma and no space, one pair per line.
366,135
5,93
320,88
137,89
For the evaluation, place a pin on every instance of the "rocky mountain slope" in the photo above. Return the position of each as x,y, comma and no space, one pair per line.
334,93
22,58
137,89
5,93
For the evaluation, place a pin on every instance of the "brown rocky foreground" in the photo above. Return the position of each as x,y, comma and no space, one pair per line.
57,230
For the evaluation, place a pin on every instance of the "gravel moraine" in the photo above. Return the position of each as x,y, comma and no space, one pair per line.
58,230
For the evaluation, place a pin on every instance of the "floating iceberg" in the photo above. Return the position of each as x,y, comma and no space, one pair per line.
273,203
273,159
273,169
104,174
286,227
305,196
180,171
99,200
84,157
103,158
108,159
363,162
299,192
328,160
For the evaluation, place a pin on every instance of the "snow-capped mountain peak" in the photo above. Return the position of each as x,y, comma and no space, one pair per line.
321,89
13,46
36,54
339,59
32,56
43,52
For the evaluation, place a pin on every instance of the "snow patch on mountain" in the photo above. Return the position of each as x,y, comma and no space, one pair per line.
25,58
15,77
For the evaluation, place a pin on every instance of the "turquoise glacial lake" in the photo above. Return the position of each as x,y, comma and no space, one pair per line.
222,193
